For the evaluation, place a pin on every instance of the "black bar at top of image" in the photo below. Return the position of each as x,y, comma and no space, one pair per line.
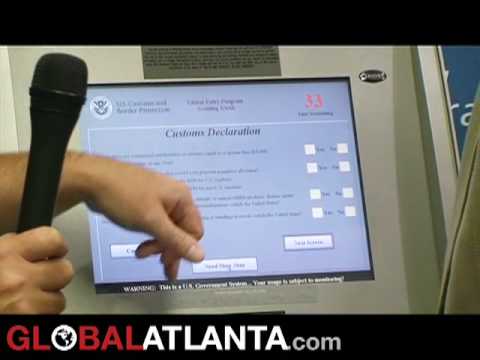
363,24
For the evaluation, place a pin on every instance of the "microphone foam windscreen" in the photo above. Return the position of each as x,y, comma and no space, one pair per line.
61,72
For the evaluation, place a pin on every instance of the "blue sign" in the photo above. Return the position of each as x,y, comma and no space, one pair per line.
462,68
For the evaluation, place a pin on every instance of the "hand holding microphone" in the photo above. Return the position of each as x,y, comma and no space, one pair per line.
33,270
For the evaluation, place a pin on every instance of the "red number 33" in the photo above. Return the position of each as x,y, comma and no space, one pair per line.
314,101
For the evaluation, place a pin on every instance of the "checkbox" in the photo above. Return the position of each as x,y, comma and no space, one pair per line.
344,166
315,194
310,149
347,192
342,148
317,213
350,211
312,168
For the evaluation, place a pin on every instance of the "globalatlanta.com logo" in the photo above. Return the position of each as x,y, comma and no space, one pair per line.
101,107
162,338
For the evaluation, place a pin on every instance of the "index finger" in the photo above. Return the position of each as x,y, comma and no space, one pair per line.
36,244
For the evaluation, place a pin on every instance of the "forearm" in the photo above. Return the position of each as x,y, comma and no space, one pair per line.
72,189
12,178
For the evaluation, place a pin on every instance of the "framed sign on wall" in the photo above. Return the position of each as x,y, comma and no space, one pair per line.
461,70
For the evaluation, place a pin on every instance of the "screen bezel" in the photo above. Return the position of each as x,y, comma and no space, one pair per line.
362,275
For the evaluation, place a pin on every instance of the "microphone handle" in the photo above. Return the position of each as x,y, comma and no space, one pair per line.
45,163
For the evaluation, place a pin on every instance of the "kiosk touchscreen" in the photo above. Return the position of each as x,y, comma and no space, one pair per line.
273,166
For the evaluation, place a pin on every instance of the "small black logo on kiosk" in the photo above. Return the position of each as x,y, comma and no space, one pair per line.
372,76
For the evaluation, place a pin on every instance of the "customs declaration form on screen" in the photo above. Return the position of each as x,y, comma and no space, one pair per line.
273,166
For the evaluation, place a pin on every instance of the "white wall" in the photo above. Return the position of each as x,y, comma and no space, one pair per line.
8,129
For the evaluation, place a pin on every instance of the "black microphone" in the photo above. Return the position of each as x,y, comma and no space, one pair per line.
57,95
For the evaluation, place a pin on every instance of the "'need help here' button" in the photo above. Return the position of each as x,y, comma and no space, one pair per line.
226,265
308,242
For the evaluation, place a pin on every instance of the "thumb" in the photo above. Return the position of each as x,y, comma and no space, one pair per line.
169,237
